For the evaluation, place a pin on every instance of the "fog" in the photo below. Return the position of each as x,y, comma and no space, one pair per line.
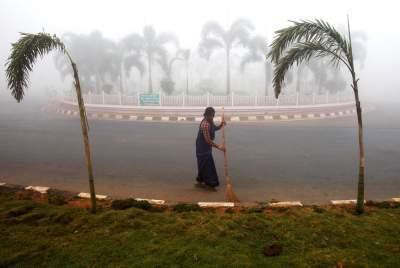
185,19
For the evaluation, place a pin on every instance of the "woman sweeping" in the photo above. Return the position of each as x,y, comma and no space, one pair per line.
207,174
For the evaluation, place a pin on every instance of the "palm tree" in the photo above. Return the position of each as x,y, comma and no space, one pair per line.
186,57
257,48
215,36
305,39
23,56
151,45
98,59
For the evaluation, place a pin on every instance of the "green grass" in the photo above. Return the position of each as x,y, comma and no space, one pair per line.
34,235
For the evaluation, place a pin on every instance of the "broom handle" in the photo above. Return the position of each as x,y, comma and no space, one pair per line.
223,142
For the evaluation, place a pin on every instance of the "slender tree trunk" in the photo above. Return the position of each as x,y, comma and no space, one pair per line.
187,78
120,79
150,81
298,79
84,124
361,167
228,72
267,77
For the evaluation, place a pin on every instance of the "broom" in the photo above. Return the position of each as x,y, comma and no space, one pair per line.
229,188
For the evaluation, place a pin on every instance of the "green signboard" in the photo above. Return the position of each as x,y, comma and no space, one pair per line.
149,99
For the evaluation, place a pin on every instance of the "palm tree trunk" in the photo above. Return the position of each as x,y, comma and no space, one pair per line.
267,77
298,79
361,169
84,125
228,72
150,81
187,78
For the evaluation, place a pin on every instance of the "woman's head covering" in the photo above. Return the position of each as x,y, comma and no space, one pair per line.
209,111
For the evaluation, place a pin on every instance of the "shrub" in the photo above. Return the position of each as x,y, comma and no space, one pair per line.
184,207
129,203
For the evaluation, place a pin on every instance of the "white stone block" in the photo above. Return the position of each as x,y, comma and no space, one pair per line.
235,118
268,117
40,189
181,118
118,116
164,118
216,204
286,204
151,201
252,118
148,118
2,183
344,202
133,117
310,115
284,117
87,195
396,199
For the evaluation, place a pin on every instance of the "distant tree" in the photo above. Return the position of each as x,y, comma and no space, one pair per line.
23,56
301,41
150,44
98,57
214,36
167,83
257,49
186,58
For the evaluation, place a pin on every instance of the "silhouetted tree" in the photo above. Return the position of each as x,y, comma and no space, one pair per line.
23,56
305,39
214,36
150,44
257,49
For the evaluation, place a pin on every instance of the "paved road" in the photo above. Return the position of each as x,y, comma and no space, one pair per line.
313,161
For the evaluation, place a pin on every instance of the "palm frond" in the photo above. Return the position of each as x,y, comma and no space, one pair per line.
212,28
134,61
23,56
240,31
207,46
298,53
308,31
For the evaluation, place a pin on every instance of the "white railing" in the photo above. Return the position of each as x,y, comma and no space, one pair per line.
216,100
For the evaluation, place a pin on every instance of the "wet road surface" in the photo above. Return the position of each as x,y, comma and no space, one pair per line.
312,161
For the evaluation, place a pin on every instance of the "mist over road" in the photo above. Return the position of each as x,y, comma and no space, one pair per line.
313,161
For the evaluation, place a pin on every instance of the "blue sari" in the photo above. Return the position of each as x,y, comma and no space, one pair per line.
207,172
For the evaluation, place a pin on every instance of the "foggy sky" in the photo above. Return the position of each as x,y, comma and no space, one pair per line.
117,18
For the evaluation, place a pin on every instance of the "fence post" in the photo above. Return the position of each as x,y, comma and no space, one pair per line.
102,97
313,98
120,98
208,99
277,101
297,98
255,99
183,98
233,97
160,100
138,98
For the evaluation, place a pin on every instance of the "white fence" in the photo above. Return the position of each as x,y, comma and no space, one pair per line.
214,100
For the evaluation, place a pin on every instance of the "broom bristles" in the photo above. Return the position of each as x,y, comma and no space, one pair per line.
229,191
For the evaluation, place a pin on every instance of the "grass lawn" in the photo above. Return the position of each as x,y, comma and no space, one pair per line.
37,234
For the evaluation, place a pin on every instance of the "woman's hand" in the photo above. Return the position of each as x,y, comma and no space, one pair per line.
221,147
223,122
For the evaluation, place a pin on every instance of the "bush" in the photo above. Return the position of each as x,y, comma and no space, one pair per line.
57,200
122,204
19,211
184,207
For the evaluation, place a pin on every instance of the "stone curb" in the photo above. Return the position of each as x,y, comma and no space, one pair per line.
181,119
44,190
